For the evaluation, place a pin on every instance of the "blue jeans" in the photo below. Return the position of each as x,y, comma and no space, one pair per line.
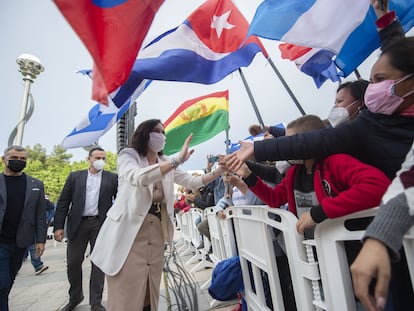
36,261
11,258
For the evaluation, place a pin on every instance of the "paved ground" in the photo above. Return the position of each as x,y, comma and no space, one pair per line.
48,291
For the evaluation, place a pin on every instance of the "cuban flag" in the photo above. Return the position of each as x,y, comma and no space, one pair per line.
345,28
112,31
208,46
100,120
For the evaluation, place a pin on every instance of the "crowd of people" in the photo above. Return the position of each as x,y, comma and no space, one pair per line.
361,156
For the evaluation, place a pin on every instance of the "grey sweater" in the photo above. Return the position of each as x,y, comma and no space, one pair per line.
396,214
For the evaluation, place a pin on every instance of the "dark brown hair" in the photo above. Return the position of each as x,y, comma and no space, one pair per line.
401,54
357,88
140,137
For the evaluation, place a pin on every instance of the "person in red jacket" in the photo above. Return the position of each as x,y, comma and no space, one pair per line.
317,189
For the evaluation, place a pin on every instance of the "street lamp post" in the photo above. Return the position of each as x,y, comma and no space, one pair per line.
30,67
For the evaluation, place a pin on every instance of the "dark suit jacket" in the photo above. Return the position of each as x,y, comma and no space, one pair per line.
71,203
32,227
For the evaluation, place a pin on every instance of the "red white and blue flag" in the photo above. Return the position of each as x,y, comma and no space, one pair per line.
315,62
112,31
208,46
344,28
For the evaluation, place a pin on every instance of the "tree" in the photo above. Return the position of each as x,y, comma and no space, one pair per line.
37,153
60,153
54,169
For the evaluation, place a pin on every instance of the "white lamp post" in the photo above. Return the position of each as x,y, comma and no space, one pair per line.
30,67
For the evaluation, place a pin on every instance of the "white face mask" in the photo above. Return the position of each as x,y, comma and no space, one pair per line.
339,115
156,142
283,166
98,164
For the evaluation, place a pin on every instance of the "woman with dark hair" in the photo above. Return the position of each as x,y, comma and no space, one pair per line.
130,245
349,101
381,135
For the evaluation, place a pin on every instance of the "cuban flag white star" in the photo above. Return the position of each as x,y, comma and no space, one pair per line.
220,22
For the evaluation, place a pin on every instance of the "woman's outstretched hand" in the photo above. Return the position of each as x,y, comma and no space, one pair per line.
185,153
246,151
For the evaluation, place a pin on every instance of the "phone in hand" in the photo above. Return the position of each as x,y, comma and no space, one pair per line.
213,159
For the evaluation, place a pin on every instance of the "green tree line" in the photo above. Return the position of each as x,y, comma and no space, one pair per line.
53,169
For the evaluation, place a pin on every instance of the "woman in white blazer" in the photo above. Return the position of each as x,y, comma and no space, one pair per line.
130,245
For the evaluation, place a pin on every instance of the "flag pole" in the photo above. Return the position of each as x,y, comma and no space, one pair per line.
357,74
295,100
256,110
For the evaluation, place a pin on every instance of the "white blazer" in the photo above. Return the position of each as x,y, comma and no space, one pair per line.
134,199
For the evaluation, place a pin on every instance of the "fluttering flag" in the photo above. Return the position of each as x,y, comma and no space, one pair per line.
99,120
233,147
314,62
350,34
204,116
276,130
112,31
207,47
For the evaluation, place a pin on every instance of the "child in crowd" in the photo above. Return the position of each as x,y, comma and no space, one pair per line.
317,189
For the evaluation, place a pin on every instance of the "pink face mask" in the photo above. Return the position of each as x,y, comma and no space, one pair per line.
380,98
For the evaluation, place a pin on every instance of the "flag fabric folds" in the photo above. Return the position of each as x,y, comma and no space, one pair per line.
112,31
345,28
276,130
204,116
208,46
99,120
233,147
314,62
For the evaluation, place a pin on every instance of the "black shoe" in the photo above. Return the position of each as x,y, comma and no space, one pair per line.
72,304
41,269
97,307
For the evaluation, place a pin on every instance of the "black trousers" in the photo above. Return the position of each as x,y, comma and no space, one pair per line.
86,233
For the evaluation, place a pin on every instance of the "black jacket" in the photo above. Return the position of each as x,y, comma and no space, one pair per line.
267,172
376,139
32,227
71,202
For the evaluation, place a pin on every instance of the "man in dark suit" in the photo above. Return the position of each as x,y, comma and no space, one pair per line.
22,218
84,201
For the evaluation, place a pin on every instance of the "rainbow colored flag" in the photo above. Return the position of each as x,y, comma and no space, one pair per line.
204,116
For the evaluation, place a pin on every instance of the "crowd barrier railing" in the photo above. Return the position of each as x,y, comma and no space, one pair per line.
330,238
320,282
255,241
185,223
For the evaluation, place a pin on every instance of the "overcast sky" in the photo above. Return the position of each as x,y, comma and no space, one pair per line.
63,98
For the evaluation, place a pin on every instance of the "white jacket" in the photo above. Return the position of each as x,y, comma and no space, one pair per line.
134,199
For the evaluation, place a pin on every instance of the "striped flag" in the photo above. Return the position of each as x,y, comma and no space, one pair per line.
345,28
204,116
99,120
314,62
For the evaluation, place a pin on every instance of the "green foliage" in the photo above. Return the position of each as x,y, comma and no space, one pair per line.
53,169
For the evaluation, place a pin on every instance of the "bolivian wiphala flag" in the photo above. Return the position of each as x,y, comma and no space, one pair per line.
204,116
